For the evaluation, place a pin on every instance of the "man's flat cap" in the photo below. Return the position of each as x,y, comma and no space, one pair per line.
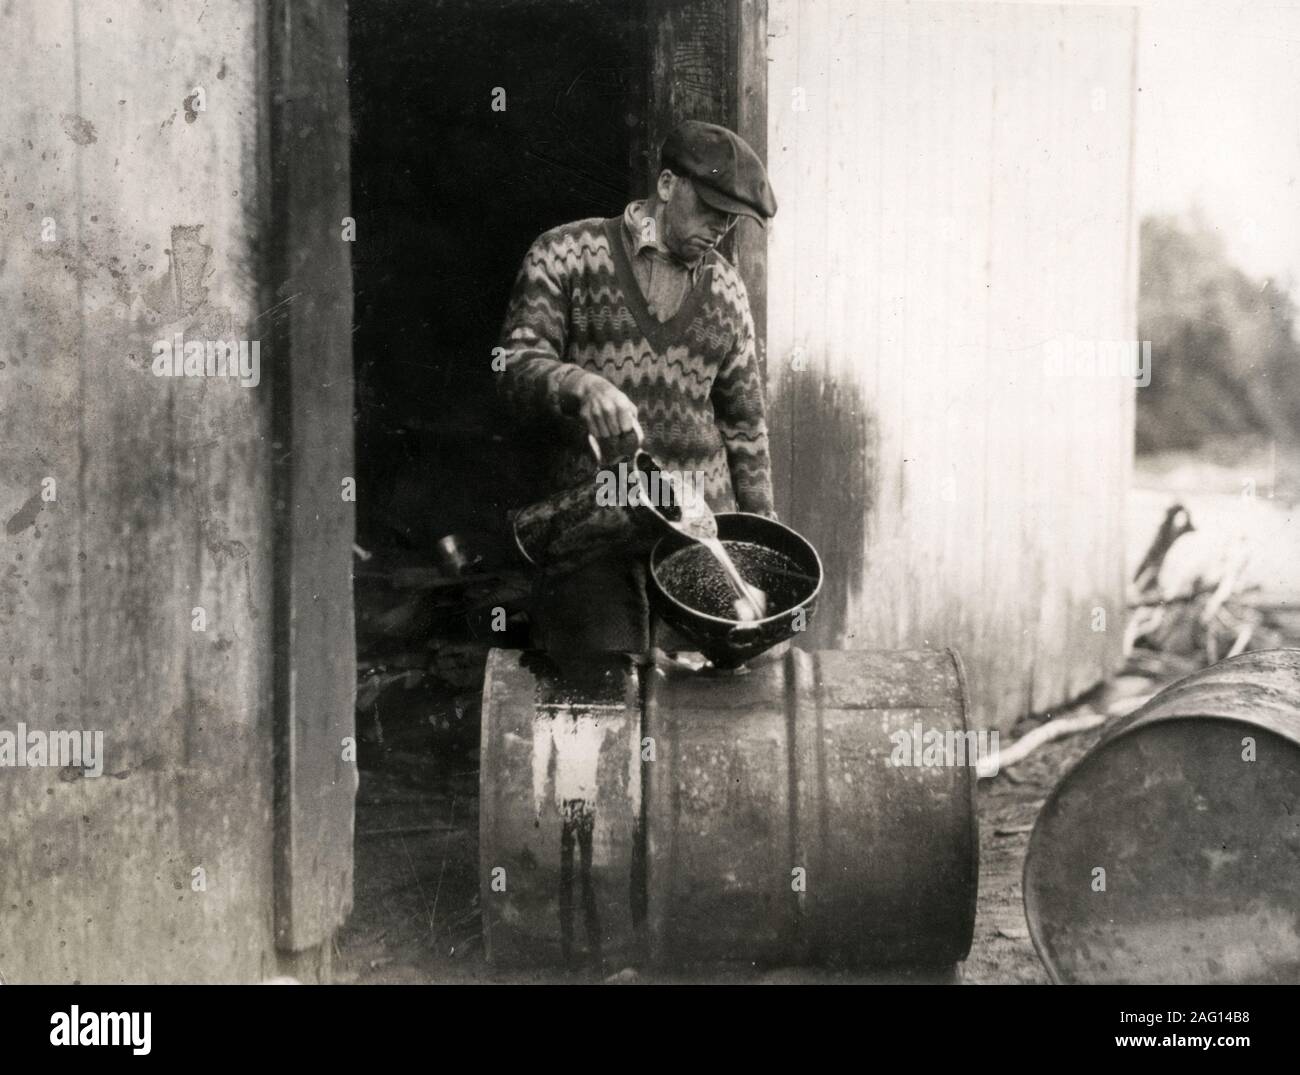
727,172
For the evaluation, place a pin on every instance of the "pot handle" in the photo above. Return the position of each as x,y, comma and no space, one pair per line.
595,444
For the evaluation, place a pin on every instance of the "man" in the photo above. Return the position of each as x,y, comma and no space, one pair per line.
636,325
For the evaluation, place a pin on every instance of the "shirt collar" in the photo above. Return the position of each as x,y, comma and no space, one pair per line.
641,242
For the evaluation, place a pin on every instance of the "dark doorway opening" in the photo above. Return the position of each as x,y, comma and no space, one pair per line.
447,193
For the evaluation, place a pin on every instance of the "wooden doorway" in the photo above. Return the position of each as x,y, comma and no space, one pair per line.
308,300
381,120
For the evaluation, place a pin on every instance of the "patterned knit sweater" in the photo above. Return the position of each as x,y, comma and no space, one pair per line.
577,311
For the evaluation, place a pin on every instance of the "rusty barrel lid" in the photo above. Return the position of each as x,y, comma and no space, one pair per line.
1171,852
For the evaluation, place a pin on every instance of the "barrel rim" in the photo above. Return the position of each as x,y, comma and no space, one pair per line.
485,813
1106,743
746,625
972,791
514,533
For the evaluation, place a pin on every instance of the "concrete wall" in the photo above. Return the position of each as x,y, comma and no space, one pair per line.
955,188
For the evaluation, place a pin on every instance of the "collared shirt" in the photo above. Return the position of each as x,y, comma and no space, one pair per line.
664,280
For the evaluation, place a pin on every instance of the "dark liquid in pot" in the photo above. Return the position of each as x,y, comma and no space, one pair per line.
693,577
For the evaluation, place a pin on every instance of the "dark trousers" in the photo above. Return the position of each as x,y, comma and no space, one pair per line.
601,607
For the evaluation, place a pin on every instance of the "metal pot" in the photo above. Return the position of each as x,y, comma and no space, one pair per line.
573,527
729,643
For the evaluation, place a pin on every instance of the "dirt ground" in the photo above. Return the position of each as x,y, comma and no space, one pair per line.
416,919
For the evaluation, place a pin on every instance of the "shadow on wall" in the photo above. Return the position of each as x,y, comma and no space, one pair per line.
825,419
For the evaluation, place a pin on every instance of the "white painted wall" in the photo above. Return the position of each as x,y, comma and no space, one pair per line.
955,196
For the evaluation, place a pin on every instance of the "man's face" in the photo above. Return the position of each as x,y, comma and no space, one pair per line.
692,227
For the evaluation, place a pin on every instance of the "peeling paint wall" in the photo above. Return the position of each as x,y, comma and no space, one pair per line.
955,183
129,191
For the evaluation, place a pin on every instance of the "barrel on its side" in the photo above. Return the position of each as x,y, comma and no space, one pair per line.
1171,852
819,809
793,815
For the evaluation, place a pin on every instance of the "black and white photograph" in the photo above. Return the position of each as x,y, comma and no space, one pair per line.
663,493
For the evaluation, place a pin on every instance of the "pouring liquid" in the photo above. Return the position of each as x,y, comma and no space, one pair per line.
751,602
696,522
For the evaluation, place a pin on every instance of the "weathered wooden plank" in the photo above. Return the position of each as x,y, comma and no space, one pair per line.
782,77
40,631
749,242
843,179
818,406
311,288
692,66
160,871
1016,556
708,61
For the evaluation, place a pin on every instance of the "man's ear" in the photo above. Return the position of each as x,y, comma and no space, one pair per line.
665,184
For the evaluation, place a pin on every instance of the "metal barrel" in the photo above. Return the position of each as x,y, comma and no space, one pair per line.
560,847
793,812
1171,852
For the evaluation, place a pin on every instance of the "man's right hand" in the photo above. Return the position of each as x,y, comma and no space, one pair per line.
605,410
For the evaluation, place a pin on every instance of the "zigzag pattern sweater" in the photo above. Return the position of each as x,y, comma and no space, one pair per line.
577,311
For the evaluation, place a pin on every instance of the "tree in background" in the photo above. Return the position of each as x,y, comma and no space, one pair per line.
1224,356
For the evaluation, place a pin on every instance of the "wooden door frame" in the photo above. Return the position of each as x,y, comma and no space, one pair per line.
307,303
708,61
